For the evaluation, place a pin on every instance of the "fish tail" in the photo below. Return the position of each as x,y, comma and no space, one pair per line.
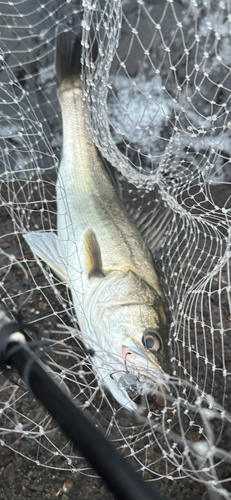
68,58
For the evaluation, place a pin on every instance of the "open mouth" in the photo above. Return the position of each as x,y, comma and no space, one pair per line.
148,402
143,382
143,392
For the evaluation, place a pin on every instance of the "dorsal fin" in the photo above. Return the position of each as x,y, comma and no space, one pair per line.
92,253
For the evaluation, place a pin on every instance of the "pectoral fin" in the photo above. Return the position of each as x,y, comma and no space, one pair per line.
47,247
92,253
149,212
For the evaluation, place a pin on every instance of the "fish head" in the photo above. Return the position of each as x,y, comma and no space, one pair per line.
129,321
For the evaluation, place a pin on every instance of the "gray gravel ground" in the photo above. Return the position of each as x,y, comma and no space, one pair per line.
22,479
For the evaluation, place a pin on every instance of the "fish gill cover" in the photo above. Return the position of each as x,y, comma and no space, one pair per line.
157,104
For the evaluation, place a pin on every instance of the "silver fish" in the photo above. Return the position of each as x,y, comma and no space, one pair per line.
98,251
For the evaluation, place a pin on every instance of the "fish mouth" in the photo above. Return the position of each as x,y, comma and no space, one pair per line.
141,390
142,383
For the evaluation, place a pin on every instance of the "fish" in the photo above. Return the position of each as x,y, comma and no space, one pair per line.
100,254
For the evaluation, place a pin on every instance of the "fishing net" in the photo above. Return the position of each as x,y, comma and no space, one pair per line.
157,104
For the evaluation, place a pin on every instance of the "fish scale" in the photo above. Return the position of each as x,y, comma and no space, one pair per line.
92,200
99,253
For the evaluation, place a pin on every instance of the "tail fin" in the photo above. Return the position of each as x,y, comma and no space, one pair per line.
68,57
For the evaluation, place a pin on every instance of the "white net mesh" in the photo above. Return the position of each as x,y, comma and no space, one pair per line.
158,104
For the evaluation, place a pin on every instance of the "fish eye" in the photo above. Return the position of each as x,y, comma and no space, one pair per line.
151,341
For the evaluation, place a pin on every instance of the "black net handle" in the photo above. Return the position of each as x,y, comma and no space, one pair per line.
117,472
